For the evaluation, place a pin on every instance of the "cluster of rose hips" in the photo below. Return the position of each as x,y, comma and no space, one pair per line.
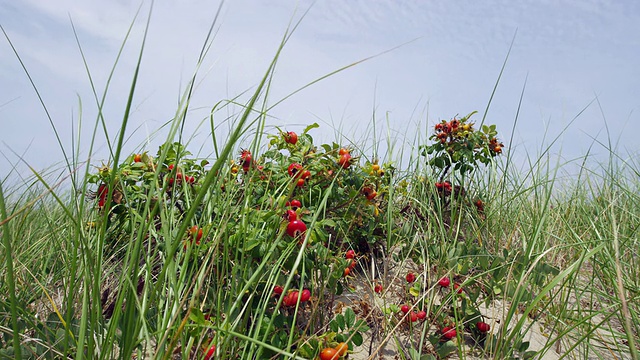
245,160
376,170
449,332
451,129
344,158
292,297
445,282
296,171
495,146
195,235
334,353
101,195
444,187
350,255
295,227
179,177
415,315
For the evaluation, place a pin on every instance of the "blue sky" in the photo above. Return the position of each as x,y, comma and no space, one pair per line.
569,53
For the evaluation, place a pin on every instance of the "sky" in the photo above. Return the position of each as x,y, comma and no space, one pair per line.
572,72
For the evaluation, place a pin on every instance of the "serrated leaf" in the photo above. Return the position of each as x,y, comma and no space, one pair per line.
363,327
350,317
340,321
334,326
357,339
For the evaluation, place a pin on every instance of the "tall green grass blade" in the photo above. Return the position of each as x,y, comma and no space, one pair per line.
7,240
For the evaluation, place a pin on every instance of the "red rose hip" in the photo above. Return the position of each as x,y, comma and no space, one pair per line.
411,277
483,327
448,332
444,282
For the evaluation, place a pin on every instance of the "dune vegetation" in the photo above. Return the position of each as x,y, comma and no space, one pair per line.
278,247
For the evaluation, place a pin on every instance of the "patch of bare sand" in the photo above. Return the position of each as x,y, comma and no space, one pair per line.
388,340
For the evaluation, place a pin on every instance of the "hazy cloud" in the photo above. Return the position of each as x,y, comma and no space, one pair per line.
571,51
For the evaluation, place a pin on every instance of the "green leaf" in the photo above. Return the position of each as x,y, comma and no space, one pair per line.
279,321
434,339
350,317
340,321
252,244
438,162
197,316
463,268
334,326
357,339
361,326
471,312
328,222
393,308
307,350
310,127
445,349
547,269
